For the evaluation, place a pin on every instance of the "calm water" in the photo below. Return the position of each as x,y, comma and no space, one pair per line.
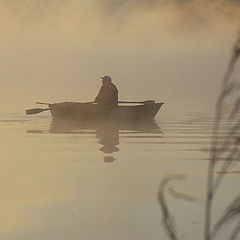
101,182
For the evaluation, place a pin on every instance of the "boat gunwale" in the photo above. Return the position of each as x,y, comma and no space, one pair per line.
73,110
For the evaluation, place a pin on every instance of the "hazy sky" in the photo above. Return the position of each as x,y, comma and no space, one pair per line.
55,50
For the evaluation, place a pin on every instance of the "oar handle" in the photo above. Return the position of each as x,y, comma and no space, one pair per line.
129,102
42,103
144,102
50,103
36,110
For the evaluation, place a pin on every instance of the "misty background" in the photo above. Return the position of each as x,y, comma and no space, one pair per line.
171,51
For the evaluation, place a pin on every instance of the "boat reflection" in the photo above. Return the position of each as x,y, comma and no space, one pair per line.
107,132
101,127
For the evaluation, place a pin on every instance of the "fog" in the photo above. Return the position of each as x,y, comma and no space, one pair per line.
171,51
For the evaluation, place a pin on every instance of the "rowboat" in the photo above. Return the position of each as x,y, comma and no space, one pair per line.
92,112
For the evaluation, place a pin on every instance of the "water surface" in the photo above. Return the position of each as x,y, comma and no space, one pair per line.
101,182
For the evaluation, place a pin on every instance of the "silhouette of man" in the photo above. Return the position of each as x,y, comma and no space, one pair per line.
107,97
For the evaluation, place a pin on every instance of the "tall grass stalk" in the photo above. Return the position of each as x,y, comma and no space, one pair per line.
225,148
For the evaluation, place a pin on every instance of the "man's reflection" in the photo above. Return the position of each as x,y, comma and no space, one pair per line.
107,132
109,159
109,138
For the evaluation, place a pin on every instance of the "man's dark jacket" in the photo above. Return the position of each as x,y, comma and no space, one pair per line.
107,97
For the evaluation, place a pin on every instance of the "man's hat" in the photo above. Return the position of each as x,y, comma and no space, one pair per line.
107,78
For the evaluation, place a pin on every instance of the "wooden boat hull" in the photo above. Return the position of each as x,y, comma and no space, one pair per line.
92,112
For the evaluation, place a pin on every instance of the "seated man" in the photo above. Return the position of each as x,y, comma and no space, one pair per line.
107,97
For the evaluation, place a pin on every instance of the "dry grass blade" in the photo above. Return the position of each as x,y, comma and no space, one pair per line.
231,213
235,232
227,164
168,220
182,196
222,147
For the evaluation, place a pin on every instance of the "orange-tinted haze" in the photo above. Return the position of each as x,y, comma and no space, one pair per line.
165,50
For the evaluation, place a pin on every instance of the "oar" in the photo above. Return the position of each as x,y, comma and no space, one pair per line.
36,110
42,103
39,110
50,103
144,102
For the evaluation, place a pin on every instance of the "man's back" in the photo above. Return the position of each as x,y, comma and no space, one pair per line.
107,97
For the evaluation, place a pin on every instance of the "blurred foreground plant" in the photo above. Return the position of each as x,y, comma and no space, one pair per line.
225,148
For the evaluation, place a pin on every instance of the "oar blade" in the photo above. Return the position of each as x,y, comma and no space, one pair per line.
43,103
148,102
35,110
